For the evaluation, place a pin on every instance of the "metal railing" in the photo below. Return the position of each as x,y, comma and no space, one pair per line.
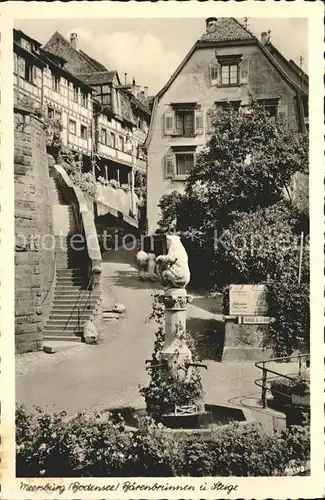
81,304
262,382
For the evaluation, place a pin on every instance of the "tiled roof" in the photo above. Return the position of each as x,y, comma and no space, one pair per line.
97,78
226,28
97,65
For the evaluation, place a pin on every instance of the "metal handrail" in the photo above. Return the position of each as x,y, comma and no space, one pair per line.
266,370
81,293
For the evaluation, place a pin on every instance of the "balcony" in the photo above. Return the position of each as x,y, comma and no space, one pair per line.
116,201
121,157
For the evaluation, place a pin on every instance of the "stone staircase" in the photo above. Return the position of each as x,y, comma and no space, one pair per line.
72,301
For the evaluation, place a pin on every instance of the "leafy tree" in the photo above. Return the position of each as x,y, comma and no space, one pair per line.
239,189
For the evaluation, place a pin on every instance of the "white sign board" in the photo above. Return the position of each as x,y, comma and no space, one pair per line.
247,300
256,320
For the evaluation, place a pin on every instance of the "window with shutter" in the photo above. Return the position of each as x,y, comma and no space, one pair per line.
214,74
198,121
283,112
169,122
169,166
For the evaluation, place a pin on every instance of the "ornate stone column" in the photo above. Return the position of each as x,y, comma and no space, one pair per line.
175,351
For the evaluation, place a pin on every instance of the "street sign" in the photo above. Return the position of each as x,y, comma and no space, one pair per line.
256,320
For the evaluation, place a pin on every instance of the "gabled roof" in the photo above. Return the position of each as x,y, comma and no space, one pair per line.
238,34
290,67
97,65
98,78
58,45
225,29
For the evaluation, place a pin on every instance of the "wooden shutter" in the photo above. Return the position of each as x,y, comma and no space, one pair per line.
169,166
199,121
244,71
169,122
213,73
283,112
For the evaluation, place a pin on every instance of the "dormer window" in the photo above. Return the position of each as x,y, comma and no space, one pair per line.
25,44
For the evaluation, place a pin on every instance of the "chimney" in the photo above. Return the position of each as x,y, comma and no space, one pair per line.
125,78
265,37
210,23
74,41
137,90
145,90
142,95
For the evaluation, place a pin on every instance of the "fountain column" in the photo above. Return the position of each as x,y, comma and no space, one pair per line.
175,350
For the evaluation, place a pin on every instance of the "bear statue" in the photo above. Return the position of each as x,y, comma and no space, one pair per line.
173,269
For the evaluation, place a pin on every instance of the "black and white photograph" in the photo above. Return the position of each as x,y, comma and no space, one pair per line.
167,291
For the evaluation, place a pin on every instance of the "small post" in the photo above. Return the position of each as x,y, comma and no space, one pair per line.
264,378
78,320
300,255
106,173
299,369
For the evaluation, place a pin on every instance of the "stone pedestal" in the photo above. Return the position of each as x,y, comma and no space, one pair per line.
245,342
175,351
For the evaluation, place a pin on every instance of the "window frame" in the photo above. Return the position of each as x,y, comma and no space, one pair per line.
229,83
182,176
103,132
83,128
84,99
56,83
75,126
75,94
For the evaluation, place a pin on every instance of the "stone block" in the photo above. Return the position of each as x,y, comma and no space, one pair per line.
30,328
26,258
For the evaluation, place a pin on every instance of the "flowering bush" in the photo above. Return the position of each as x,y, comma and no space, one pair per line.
125,187
101,446
114,183
53,130
86,181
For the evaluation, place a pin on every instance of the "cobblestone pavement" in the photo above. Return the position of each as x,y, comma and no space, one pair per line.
109,374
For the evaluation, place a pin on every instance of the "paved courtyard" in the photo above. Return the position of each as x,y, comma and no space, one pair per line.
109,374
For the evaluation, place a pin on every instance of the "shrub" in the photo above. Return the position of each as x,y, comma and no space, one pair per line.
98,446
125,187
300,385
289,305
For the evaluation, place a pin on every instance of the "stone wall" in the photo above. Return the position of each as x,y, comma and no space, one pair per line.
34,247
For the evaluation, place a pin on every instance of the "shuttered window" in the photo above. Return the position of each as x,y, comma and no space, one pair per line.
169,166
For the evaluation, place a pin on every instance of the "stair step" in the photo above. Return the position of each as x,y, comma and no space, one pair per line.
66,338
52,346
63,330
